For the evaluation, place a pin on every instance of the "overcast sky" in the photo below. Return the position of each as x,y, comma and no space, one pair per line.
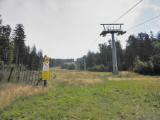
70,28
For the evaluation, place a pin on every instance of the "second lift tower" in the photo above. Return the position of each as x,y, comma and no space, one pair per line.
113,29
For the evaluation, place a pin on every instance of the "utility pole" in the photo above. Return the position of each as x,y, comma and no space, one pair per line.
85,67
113,29
77,67
0,20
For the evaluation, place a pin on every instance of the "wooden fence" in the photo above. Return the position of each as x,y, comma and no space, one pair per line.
19,74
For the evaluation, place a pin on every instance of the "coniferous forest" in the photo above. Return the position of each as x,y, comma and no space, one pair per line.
13,49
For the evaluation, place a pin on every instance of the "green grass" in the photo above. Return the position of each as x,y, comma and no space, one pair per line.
71,98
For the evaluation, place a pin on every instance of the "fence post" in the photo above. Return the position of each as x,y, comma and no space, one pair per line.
11,71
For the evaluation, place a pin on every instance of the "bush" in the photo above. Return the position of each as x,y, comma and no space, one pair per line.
143,67
156,63
68,66
98,68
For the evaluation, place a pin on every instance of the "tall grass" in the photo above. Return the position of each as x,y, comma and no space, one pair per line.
9,92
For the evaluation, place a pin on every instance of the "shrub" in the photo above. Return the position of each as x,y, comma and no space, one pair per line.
143,67
68,66
156,63
98,68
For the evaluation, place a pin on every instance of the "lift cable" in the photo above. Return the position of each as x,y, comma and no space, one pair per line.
147,21
128,11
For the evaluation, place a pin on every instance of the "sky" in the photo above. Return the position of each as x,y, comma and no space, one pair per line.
71,28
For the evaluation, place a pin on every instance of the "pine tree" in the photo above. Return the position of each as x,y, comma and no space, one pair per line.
19,41
5,32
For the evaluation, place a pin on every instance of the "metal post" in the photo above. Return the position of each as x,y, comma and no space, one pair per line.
85,68
45,83
114,56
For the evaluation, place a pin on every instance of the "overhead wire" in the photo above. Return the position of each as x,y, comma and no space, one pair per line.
147,21
125,13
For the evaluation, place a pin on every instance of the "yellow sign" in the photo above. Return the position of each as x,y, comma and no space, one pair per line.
46,73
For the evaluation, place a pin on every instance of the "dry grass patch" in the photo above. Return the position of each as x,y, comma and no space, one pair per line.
9,92
77,77
79,82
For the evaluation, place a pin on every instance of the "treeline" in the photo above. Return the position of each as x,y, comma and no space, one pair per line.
142,54
13,49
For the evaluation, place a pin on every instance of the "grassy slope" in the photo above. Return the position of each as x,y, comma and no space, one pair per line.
91,96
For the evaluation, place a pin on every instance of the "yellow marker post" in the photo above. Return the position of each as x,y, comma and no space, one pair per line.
46,71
